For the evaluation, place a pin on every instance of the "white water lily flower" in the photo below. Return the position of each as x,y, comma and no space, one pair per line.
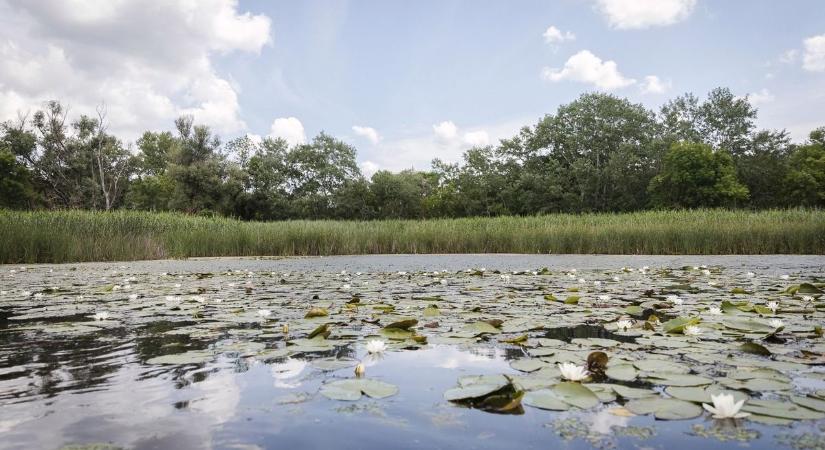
807,298
597,283
692,330
645,268
346,287
572,372
715,310
674,299
264,313
624,324
26,293
750,274
376,346
103,315
581,280
402,273
570,275
604,298
443,281
773,306
776,323
617,279
177,285
705,272
785,277
133,296
38,295
724,407
505,278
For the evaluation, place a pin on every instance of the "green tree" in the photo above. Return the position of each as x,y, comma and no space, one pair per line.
695,176
805,180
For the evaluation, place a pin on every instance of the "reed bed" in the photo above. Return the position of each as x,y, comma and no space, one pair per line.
75,236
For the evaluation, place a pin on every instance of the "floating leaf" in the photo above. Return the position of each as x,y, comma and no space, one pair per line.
664,408
191,357
316,312
350,390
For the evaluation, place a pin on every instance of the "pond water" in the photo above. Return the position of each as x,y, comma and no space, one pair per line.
261,353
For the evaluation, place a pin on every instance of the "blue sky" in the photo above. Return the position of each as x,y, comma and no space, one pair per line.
400,69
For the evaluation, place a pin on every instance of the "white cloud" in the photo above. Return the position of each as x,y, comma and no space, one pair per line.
655,85
586,67
367,132
555,36
288,128
149,61
636,14
761,97
478,138
368,168
445,131
813,59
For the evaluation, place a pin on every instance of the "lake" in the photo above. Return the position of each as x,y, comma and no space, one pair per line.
247,353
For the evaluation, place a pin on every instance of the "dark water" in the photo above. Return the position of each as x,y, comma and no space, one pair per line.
95,388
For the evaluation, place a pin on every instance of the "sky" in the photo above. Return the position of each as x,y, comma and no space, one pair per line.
402,81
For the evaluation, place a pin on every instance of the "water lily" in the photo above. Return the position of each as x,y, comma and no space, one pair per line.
133,296
402,273
360,369
103,315
26,293
572,372
705,272
674,299
264,313
624,324
581,280
724,407
597,283
715,310
376,346
785,277
505,278
285,328
346,287
750,274
38,295
773,306
617,279
692,330
604,298
776,323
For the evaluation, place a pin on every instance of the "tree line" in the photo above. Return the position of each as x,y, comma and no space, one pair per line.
599,153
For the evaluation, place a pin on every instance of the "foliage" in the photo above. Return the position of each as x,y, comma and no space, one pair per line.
65,236
598,153
693,175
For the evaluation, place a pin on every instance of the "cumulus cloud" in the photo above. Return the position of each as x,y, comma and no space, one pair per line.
368,168
553,35
149,61
761,97
288,128
637,14
478,138
367,132
445,131
813,58
585,67
655,85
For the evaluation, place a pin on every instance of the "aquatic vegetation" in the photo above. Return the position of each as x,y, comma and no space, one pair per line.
516,348
72,236
725,407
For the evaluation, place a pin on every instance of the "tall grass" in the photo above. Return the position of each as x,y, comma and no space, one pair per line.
68,236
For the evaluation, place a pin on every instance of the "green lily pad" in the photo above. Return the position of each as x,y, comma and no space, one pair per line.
350,390
664,408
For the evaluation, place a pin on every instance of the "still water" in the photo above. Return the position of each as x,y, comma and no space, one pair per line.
82,347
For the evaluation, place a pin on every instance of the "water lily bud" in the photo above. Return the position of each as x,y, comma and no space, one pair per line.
360,369
285,328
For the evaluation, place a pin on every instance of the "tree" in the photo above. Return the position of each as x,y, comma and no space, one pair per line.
722,121
805,180
695,176
605,146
